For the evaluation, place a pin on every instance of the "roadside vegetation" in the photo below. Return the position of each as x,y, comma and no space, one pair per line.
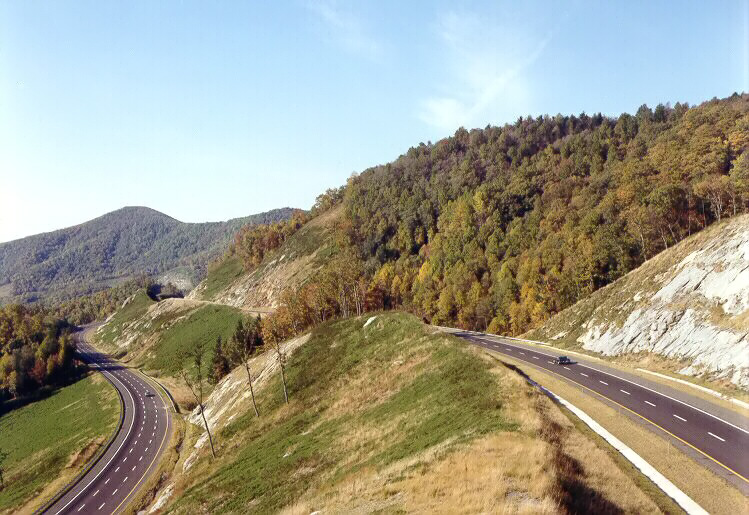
394,416
48,441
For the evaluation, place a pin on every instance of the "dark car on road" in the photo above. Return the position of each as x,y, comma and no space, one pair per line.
563,360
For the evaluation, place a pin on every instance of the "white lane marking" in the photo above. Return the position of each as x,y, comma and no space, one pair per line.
115,491
550,362
140,459
114,455
648,402
107,481
566,368
95,493
583,374
102,505
149,441
146,449
535,357
716,436
604,382
680,418
509,349
624,391
133,469
671,398
523,353
130,451
125,479
82,506
118,468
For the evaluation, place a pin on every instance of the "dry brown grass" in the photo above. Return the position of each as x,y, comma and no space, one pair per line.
707,489
546,467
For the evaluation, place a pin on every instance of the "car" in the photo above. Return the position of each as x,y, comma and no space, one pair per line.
563,360
149,394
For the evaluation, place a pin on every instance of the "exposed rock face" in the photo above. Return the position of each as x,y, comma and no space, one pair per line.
690,303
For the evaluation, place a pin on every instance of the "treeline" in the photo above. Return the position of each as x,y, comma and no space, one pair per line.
36,351
99,305
503,227
253,242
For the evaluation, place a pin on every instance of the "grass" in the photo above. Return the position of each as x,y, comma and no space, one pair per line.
395,417
221,276
706,488
52,438
134,309
204,324
415,405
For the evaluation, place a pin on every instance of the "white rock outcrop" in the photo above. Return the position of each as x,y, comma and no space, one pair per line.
696,310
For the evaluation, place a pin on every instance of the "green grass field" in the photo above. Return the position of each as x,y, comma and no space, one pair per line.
40,438
204,324
382,393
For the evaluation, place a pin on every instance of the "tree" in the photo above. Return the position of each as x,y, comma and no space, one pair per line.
244,342
219,364
192,374
274,333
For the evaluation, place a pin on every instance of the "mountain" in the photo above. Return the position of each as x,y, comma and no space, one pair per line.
112,248
689,304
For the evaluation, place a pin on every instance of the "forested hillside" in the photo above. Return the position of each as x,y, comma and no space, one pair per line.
110,249
501,228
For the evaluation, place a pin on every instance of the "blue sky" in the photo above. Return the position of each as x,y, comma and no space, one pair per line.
212,110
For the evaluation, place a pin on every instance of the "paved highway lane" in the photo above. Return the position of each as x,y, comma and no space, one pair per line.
724,442
134,453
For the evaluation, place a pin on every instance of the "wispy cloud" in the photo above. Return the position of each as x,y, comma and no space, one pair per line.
485,65
346,29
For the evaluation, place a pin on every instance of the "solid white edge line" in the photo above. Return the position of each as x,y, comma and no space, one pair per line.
132,422
648,389
671,398
646,468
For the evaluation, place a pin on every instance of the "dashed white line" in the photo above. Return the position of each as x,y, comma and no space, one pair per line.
582,374
716,436
102,505
535,357
82,506
680,418
648,402
133,469
603,382
118,468
125,479
523,353
624,391
115,491
107,481
95,493
550,362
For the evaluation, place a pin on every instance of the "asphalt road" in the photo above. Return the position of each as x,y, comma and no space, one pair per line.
724,442
135,451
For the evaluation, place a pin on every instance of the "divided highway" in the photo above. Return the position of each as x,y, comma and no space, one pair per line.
133,455
724,442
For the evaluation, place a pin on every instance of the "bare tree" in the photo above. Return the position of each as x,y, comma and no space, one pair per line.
193,375
245,341
282,363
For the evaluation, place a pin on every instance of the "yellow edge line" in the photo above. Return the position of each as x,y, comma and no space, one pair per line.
148,471
635,413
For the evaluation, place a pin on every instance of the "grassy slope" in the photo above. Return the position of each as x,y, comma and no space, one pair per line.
113,329
304,252
204,324
40,438
392,400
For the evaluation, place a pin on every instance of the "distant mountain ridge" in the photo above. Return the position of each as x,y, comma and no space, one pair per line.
112,248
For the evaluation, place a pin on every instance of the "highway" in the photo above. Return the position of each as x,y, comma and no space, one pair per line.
725,442
134,453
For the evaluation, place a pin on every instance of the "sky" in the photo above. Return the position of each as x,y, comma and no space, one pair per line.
214,110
